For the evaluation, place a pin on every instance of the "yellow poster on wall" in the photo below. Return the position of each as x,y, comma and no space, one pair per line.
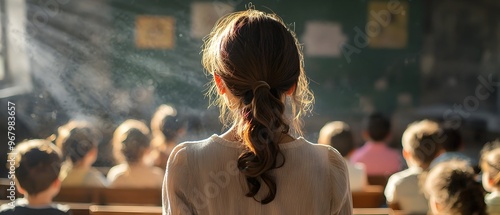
154,32
387,25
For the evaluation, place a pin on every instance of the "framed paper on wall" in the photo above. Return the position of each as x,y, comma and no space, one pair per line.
387,25
155,32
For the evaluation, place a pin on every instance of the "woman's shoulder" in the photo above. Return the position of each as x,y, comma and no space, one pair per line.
193,144
331,152
324,153
336,162
209,146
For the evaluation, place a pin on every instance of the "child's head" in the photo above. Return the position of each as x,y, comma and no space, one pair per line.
256,63
38,164
452,189
338,135
78,142
131,141
377,128
166,122
452,140
421,143
490,165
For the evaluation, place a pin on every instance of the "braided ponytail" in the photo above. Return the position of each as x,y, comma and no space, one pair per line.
264,120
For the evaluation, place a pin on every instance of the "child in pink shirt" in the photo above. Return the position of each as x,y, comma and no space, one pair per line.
378,158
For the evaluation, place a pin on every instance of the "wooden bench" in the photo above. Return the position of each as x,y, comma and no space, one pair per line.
124,210
77,208
129,196
78,194
106,196
380,180
372,211
371,196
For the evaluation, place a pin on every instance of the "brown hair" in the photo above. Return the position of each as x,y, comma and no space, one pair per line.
422,140
452,185
259,60
166,122
130,140
38,164
76,139
338,135
490,163
378,126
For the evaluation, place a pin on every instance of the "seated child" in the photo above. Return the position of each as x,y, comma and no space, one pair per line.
420,147
452,145
338,135
490,165
166,128
131,144
452,189
78,142
38,164
378,158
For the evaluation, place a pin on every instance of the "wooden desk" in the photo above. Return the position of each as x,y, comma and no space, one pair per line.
371,196
372,211
124,210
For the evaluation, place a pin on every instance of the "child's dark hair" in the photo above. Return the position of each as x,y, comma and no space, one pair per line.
38,164
130,140
338,135
167,122
378,126
422,139
452,185
76,139
452,141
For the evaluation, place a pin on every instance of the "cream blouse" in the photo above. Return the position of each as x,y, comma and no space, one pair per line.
202,178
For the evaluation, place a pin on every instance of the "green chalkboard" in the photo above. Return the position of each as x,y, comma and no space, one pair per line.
340,84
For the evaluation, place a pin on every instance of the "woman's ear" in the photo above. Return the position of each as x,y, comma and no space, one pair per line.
219,84
291,90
